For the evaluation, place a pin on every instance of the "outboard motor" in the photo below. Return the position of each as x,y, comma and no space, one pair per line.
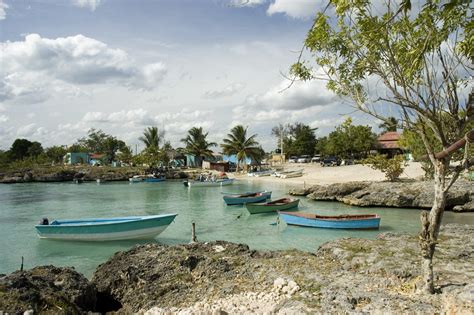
44,221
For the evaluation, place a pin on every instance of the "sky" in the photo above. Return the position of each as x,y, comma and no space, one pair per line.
123,65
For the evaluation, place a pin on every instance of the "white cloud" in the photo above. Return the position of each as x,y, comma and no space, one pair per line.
3,8
299,96
227,91
246,3
88,4
299,9
3,118
34,67
27,131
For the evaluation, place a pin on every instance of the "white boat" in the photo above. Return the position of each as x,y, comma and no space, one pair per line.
136,179
261,173
283,174
105,229
292,174
209,183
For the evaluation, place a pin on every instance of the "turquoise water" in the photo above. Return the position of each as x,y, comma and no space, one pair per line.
23,205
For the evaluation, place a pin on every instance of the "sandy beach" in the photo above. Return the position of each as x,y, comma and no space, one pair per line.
315,174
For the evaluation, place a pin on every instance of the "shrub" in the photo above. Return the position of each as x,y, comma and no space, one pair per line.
392,168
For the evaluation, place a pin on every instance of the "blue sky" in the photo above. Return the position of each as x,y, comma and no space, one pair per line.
122,65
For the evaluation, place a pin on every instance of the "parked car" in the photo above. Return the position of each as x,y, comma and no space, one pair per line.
304,159
292,159
316,158
330,161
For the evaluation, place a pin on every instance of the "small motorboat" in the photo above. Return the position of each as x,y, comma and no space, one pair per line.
154,179
136,179
246,198
272,206
345,221
105,229
209,183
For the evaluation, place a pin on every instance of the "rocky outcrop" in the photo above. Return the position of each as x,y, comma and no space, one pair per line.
46,290
414,194
55,174
347,275
343,276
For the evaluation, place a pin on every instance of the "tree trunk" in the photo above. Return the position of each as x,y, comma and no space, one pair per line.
431,222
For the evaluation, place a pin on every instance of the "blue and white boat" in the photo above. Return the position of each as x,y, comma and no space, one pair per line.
345,221
246,198
105,229
154,179
209,183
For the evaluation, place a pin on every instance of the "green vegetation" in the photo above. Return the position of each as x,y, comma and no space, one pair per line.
348,141
196,144
298,138
421,63
392,168
242,146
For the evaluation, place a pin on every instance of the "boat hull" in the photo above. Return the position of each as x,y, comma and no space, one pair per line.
112,229
255,208
154,180
218,183
344,222
233,200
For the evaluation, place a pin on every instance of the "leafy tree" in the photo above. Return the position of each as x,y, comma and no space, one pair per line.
4,159
298,138
302,139
55,153
125,155
237,143
422,59
19,149
78,148
392,168
35,149
197,145
349,141
99,142
152,137
390,124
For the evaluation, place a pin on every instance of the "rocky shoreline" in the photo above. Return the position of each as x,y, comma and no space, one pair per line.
405,194
65,174
343,276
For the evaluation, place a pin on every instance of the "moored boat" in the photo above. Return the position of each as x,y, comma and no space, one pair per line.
345,221
209,183
105,229
272,206
154,179
261,173
296,173
245,198
136,179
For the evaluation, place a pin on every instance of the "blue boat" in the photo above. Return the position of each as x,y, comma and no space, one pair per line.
345,221
154,179
246,198
105,229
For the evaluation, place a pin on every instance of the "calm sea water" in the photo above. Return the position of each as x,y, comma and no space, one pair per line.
23,205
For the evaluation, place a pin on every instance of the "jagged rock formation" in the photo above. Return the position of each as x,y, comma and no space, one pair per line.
47,290
414,194
343,276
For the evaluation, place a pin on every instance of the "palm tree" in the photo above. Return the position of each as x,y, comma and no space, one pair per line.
152,137
237,143
197,145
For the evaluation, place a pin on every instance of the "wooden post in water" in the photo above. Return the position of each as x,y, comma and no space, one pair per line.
193,233
21,267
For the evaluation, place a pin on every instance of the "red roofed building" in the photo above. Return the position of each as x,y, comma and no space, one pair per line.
388,143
